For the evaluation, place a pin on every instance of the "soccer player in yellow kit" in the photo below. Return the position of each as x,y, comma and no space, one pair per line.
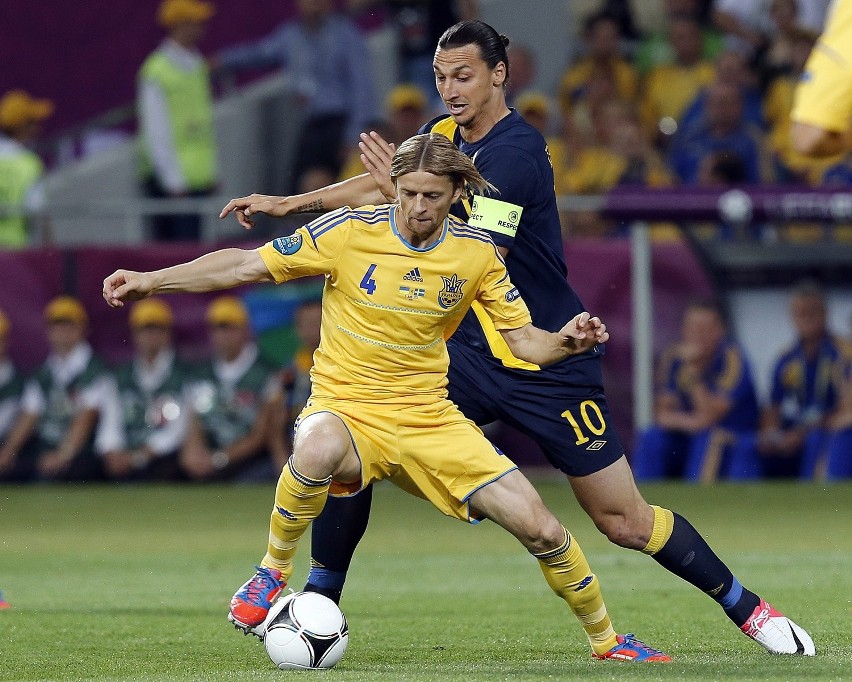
822,108
399,279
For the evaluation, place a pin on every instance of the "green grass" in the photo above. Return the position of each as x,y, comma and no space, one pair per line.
132,583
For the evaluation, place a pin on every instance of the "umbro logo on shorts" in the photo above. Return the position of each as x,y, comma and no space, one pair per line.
596,445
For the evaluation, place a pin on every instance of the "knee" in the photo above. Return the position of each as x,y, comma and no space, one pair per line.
546,534
315,460
318,451
630,530
617,530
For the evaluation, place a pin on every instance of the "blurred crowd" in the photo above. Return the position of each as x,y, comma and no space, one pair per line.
709,422
155,417
700,96
230,415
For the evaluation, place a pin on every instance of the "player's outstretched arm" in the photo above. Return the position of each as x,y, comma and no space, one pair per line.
540,347
217,270
358,191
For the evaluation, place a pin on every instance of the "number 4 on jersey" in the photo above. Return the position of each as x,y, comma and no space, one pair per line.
368,284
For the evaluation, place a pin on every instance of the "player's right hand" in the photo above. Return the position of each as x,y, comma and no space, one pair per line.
244,207
126,285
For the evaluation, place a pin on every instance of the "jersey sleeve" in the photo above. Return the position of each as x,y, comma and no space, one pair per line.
313,249
516,179
501,299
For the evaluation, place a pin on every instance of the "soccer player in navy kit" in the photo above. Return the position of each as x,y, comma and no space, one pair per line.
563,406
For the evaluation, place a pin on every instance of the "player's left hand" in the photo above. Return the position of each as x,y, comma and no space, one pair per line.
583,332
376,155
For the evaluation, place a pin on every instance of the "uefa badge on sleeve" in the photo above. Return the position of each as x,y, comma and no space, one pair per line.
287,246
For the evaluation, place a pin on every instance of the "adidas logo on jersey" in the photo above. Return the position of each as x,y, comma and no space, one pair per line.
413,276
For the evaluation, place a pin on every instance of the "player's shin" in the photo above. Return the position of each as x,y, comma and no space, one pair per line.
335,534
679,548
298,501
568,573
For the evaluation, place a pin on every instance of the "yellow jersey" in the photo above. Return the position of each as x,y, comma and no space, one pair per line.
824,93
388,306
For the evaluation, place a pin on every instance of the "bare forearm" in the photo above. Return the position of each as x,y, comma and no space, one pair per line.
245,447
21,432
194,439
358,191
213,271
679,420
580,334
537,346
79,432
709,407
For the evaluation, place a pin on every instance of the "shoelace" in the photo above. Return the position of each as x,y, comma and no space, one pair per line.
631,640
262,582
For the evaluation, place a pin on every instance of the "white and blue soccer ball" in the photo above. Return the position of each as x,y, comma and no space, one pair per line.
305,630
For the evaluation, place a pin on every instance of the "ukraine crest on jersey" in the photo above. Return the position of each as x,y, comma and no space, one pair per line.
451,294
388,306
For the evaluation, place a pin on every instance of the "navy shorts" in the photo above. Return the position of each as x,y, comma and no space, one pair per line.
562,407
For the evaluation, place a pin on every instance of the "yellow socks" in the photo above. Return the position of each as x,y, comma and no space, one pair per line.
662,531
569,575
298,501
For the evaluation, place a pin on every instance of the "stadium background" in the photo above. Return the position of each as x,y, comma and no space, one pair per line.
85,58
130,582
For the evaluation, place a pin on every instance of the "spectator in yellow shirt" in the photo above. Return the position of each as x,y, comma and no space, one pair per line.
602,38
623,156
671,88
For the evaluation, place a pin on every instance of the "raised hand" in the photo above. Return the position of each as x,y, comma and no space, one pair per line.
376,155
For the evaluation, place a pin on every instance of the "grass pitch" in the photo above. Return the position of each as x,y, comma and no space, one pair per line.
132,583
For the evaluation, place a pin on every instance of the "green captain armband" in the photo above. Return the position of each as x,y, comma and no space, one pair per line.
494,215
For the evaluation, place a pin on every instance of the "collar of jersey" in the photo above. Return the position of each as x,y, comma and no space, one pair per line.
404,241
470,148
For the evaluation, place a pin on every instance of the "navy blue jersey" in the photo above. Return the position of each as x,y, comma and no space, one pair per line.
522,216
562,407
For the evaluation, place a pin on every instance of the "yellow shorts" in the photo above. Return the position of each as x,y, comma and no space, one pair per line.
432,451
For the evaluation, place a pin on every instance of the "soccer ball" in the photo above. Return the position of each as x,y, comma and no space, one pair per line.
305,630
